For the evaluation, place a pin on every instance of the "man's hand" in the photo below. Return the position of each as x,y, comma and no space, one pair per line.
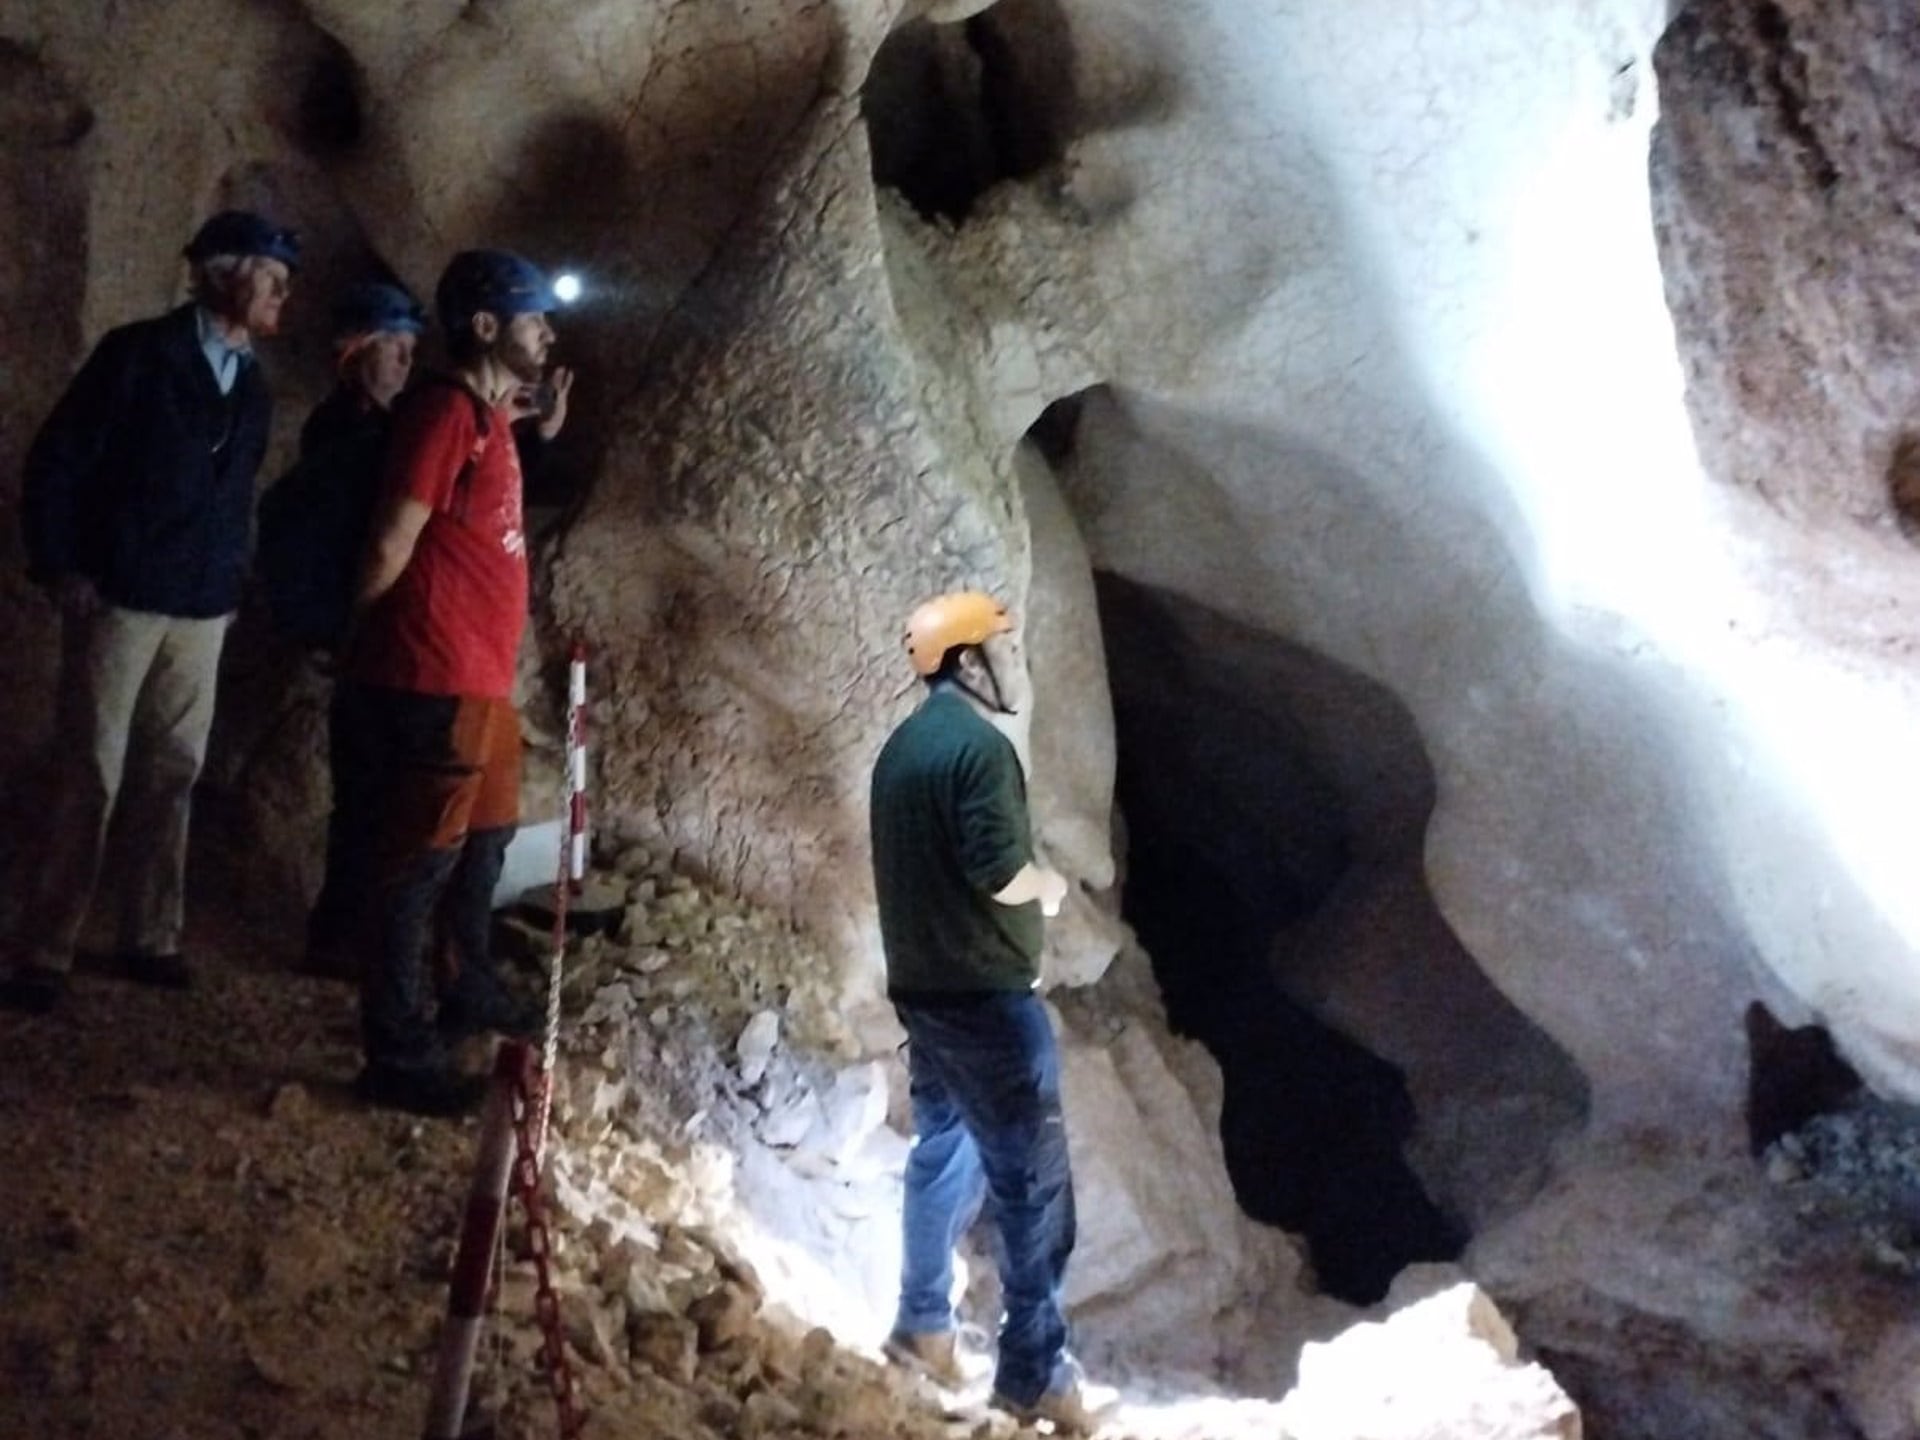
1053,892
75,596
554,419
1035,882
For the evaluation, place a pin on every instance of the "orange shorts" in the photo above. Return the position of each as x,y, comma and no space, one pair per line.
450,764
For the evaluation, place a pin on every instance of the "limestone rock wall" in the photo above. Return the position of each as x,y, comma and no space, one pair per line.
1390,373
1784,197
797,474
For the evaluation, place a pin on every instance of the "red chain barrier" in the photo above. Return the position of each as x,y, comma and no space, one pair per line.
527,1189
524,1087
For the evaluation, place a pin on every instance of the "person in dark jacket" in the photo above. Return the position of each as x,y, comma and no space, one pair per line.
961,900
314,526
137,507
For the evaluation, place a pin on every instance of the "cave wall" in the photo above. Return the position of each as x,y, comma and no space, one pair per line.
1390,373
1385,373
784,471
1784,198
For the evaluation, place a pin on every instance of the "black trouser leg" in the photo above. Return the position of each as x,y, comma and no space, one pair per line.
394,1023
354,758
467,916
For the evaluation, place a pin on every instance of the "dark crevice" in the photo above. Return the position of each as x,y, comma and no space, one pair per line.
329,115
1236,833
1793,1075
1903,484
36,109
1055,433
953,110
1786,76
313,91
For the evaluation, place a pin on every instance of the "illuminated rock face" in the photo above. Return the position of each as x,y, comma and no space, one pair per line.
1784,197
1390,374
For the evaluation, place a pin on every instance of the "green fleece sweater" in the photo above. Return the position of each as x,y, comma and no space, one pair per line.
950,828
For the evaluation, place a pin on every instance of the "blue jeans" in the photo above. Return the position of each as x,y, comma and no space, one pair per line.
985,1082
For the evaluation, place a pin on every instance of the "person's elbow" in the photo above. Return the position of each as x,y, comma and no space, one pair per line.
386,558
390,555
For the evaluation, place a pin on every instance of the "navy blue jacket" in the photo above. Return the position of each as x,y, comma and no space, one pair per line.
142,477
315,519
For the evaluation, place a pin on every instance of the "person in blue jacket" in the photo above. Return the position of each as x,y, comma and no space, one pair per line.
137,508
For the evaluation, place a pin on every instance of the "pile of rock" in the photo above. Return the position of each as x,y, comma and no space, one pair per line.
726,1185
1860,1165
703,1134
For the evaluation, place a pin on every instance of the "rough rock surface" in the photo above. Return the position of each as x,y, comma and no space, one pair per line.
206,1238
1442,1364
1786,199
1673,1291
709,1046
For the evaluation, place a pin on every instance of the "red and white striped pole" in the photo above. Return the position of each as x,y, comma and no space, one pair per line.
572,873
577,767
473,1264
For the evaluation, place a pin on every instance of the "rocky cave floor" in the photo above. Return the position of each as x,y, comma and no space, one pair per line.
204,1236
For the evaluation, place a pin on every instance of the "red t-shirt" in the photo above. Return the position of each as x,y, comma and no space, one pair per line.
451,625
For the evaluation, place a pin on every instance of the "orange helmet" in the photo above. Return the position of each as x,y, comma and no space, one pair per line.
965,617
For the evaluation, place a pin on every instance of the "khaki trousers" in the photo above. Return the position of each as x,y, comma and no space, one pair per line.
134,710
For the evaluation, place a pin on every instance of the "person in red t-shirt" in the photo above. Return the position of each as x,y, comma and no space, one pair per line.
440,609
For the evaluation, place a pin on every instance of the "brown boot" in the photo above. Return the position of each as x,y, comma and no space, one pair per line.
932,1353
1065,1410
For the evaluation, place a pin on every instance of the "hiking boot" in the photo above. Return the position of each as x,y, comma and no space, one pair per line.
1064,1410
480,1009
931,1353
420,1090
36,989
164,972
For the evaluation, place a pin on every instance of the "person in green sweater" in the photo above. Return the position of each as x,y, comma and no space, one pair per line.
961,898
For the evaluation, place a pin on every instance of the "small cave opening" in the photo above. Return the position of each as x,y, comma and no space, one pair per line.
1795,1074
1382,1099
1236,837
953,109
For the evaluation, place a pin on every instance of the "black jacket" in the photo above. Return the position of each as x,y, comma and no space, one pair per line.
142,477
314,519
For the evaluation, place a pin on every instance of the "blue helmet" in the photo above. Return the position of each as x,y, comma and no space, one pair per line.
373,307
241,232
497,281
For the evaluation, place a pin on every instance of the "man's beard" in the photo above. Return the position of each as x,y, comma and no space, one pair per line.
521,363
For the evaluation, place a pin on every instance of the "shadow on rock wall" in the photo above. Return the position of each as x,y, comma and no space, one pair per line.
1276,807
44,256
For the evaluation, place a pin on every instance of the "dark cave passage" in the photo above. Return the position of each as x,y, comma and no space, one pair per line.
1233,836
